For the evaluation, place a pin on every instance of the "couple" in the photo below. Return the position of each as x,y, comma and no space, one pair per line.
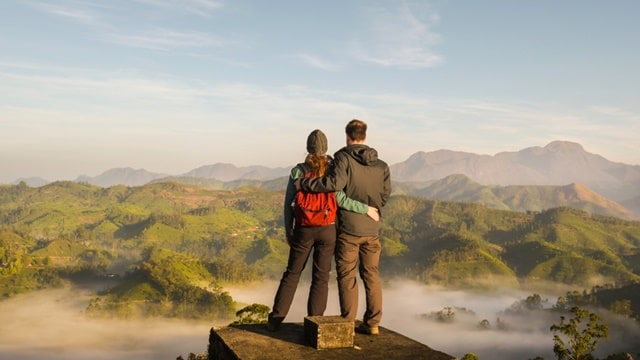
362,184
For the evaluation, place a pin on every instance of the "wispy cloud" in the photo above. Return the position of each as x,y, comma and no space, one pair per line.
317,62
197,7
632,118
107,89
400,37
69,11
104,23
62,99
165,39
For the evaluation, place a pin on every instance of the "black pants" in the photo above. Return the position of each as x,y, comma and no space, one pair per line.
323,242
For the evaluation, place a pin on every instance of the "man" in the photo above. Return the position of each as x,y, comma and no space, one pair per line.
358,172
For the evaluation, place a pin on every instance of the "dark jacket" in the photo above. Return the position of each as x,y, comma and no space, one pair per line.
359,172
343,201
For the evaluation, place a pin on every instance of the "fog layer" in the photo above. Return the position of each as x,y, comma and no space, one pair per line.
407,304
51,324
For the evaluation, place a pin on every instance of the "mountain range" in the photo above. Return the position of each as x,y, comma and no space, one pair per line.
523,198
558,164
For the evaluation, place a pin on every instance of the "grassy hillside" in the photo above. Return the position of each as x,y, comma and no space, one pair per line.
67,231
455,242
202,236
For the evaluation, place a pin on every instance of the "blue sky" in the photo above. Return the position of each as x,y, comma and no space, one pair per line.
169,86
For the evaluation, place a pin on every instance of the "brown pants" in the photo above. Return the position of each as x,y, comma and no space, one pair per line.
366,249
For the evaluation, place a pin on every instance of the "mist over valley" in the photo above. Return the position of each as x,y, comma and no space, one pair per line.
53,324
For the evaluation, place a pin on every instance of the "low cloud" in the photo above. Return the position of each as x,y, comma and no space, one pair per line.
407,306
51,324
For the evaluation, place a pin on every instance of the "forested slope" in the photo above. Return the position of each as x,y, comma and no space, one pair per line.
65,232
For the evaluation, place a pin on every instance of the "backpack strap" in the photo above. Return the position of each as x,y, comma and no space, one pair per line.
305,168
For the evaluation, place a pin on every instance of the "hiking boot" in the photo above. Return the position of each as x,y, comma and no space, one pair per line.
273,324
367,330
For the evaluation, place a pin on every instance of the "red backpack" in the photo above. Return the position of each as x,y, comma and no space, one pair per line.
314,209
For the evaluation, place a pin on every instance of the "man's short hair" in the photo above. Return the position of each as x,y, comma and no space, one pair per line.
356,130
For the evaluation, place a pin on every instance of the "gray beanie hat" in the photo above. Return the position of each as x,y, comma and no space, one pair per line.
317,143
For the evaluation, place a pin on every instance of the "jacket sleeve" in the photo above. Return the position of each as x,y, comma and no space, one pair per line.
289,197
334,180
349,204
386,189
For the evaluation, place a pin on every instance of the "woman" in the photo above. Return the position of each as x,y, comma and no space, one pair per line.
302,239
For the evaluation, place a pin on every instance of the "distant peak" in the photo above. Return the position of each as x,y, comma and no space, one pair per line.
577,187
455,178
561,145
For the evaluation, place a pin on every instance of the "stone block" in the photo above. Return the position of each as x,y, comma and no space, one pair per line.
329,332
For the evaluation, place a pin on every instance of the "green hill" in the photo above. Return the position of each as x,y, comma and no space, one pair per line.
165,284
203,236
451,243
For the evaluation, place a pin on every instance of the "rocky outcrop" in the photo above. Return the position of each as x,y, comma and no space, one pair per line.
253,341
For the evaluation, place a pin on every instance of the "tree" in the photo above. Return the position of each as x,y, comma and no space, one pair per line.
470,356
252,314
621,307
531,303
581,339
445,315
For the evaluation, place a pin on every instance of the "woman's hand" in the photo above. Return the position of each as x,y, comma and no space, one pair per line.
373,213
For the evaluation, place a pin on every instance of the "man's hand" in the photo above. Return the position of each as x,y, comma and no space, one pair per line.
373,213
